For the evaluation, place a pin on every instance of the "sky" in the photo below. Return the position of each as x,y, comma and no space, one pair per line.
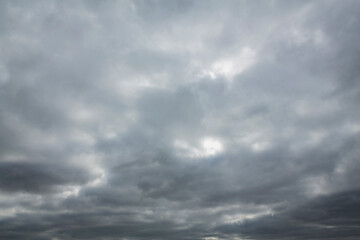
167,119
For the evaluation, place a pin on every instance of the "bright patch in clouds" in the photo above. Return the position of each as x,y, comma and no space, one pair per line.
208,147
230,66
211,146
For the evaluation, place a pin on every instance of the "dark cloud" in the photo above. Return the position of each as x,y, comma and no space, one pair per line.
38,177
328,217
179,120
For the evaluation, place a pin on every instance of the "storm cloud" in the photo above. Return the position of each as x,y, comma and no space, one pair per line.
202,120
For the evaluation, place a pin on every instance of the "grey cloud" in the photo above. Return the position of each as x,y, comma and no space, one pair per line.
85,226
328,217
38,177
179,119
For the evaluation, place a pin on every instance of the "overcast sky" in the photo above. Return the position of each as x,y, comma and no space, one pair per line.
174,120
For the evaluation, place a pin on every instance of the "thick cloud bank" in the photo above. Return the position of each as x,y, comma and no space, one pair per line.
160,120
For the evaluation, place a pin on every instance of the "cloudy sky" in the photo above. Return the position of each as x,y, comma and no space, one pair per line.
197,120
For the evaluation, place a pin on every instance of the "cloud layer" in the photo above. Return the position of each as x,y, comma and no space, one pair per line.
179,120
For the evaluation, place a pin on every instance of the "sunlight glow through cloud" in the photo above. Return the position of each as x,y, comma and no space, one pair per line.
208,147
232,65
